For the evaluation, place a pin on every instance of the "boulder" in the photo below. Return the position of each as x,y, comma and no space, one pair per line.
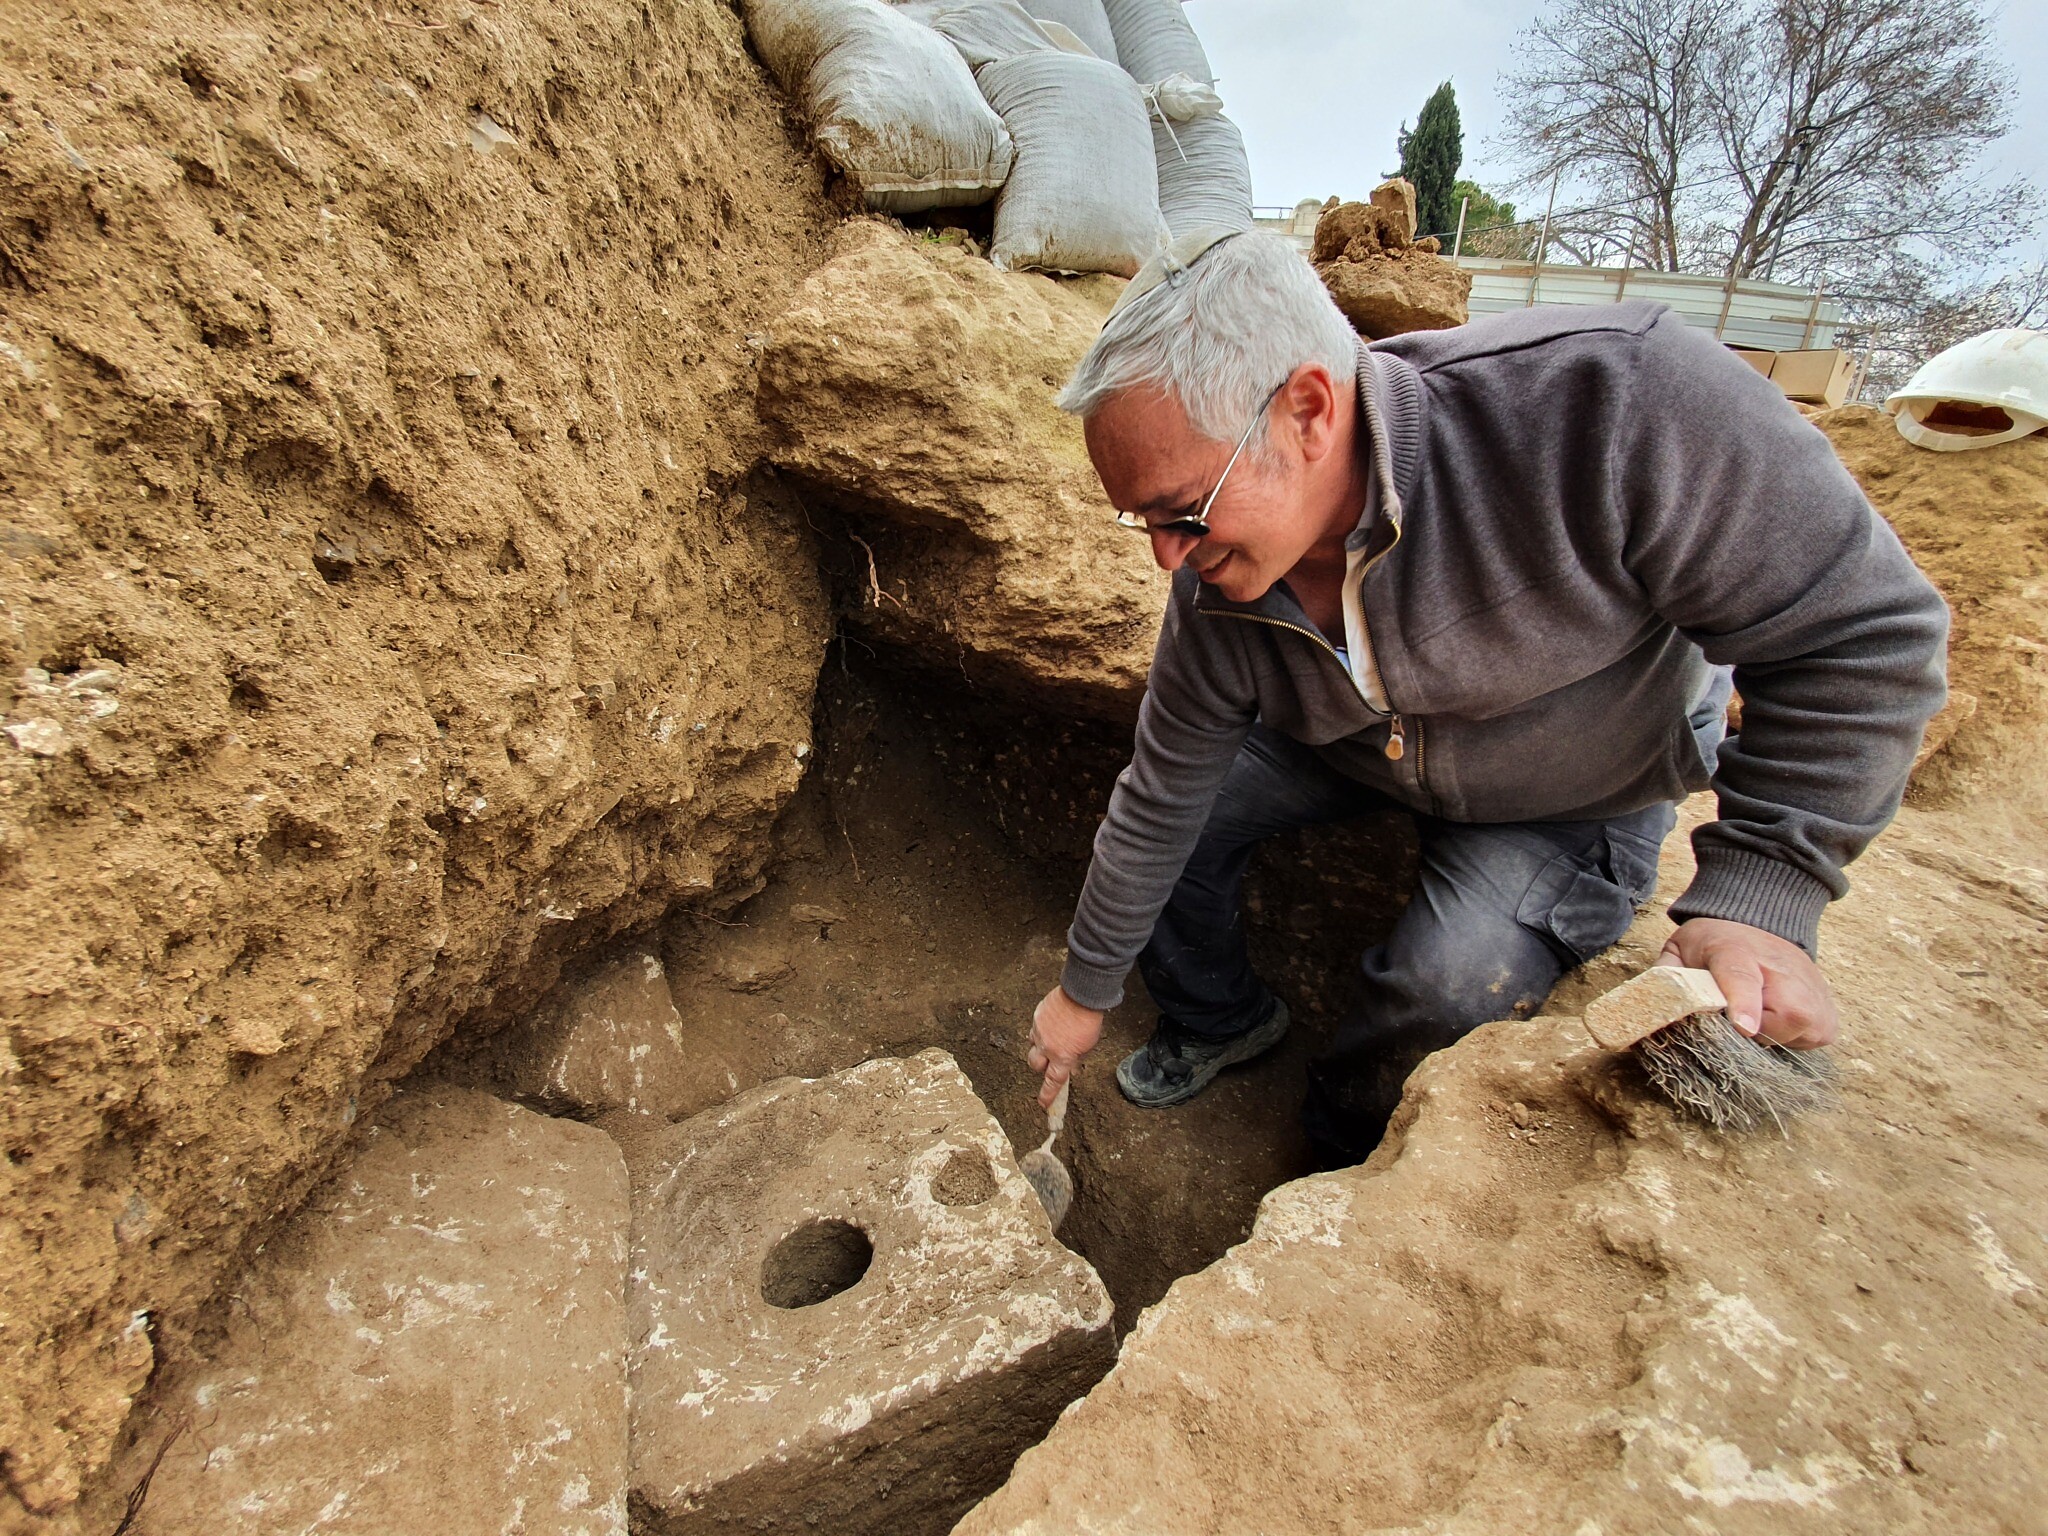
435,1343
1381,278
848,1312
911,388
614,1041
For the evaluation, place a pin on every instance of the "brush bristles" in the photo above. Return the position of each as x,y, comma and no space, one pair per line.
1735,1082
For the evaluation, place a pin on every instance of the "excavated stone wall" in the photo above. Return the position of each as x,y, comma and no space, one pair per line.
385,612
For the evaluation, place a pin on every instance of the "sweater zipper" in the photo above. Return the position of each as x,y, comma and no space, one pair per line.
1397,738
1397,732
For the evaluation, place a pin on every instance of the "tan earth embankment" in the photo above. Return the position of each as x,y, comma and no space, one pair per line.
1548,1305
1977,523
385,613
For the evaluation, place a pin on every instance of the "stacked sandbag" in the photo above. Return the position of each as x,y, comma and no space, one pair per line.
891,103
1203,173
983,31
1154,40
1086,19
1083,195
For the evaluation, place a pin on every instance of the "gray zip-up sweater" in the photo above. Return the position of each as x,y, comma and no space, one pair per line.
1573,513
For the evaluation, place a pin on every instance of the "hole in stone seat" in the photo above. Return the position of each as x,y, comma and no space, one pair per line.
815,1263
966,1179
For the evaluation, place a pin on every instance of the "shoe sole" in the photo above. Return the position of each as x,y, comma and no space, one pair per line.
1252,1044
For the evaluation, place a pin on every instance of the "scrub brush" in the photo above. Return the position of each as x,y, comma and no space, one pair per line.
1675,1020
1046,1174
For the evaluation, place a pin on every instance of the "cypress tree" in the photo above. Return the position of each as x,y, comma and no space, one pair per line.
1430,156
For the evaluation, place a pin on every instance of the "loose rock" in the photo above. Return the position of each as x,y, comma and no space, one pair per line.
614,1040
1384,282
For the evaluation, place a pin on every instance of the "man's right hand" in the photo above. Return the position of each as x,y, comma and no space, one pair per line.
1062,1032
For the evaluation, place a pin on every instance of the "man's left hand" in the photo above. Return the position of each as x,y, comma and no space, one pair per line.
1772,985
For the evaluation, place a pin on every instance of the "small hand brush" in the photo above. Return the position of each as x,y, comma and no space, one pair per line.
1047,1175
1676,1021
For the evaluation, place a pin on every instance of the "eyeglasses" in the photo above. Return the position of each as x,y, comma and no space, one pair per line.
1197,527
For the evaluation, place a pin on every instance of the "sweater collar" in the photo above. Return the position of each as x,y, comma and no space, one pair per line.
1390,420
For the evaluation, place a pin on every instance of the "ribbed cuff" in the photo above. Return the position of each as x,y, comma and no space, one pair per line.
1753,888
1091,986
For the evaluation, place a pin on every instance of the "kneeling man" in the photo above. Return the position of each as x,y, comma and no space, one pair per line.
1502,577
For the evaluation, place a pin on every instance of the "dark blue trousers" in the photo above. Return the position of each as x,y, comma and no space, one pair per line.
1500,913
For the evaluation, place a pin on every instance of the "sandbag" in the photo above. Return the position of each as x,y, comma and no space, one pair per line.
1063,37
1205,179
1154,40
1083,195
1180,99
891,103
983,30
1085,19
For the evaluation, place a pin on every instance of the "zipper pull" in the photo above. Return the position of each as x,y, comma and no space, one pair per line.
1397,741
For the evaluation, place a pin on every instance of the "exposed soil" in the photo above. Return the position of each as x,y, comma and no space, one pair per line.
919,897
1977,524
430,441
385,613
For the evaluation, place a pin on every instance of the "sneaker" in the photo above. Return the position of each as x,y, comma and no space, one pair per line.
1175,1064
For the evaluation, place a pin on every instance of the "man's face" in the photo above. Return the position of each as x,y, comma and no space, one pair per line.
1153,463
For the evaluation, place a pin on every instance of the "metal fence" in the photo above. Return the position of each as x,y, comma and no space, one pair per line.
1744,313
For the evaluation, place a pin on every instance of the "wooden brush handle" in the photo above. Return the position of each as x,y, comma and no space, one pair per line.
1056,1116
1644,1004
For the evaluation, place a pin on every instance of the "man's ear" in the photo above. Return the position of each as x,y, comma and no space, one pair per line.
1310,402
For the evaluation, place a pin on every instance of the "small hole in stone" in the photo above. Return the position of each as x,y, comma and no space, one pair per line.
815,1263
967,1179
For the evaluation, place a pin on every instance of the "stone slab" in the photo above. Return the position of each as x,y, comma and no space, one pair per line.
1644,1004
615,1041
893,1404
433,1347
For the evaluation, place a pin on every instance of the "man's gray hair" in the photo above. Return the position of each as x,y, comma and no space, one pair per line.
1219,337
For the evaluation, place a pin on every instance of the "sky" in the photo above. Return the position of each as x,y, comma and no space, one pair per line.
1321,87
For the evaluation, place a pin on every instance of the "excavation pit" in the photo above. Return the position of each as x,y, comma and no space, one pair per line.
819,1338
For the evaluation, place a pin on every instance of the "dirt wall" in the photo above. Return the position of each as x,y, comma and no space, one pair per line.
384,610
1977,523
1549,1304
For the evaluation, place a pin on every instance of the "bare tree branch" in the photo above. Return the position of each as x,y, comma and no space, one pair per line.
1804,140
